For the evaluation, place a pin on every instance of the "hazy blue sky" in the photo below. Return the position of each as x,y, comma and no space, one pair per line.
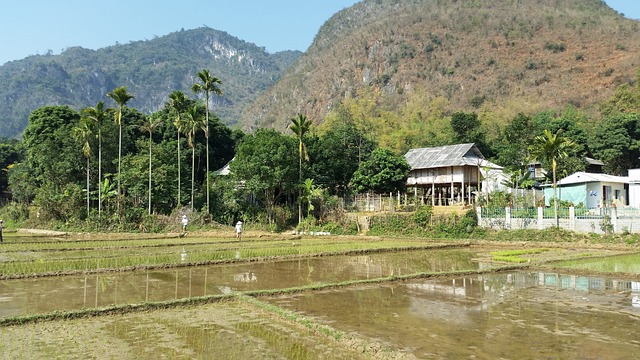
30,27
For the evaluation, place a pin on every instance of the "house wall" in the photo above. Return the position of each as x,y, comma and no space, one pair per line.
634,187
443,175
493,180
593,195
621,200
634,195
589,194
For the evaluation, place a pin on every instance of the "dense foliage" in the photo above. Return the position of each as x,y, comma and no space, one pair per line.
382,172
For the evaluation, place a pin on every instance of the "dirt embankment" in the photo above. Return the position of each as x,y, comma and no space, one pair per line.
42,232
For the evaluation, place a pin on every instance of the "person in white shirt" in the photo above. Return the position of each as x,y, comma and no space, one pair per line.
185,222
239,230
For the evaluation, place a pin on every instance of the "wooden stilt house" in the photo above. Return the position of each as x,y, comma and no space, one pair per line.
451,175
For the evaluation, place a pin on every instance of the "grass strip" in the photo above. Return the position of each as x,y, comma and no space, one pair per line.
365,347
292,316
515,256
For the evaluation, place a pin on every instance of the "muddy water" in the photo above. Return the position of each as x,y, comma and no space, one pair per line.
521,315
40,295
621,264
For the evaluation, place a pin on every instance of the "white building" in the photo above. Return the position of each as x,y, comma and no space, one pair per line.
634,188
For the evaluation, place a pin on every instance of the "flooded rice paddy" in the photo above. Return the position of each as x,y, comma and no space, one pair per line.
38,295
548,313
518,315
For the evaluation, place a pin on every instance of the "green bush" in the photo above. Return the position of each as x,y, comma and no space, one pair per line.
422,216
424,223
556,48
14,213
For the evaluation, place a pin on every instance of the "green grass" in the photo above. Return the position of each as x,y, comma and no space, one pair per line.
37,259
515,256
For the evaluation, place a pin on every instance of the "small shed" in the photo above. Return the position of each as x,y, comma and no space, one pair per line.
452,174
591,190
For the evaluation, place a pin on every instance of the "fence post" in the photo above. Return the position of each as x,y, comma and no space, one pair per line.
479,214
507,220
540,218
614,219
572,218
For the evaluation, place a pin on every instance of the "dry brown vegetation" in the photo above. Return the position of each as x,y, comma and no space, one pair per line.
498,58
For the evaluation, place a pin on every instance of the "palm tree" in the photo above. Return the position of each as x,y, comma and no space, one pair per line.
551,148
149,126
98,114
208,86
192,122
300,126
121,97
178,105
83,132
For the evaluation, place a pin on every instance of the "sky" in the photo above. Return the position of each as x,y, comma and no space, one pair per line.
31,27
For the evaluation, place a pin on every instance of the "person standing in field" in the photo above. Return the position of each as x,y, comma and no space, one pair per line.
1,224
239,230
185,222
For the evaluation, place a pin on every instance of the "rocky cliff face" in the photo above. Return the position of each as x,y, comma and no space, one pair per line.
476,55
150,69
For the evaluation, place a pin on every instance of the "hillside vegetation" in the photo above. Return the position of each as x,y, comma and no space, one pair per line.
150,69
493,57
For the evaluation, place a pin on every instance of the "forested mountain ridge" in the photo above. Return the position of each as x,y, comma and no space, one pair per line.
150,69
493,57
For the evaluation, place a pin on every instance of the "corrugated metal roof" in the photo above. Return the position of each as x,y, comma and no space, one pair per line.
449,155
591,161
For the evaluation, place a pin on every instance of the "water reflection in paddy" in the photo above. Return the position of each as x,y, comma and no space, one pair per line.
508,315
39,295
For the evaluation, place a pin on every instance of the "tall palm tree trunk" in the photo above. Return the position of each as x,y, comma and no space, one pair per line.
88,210
121,97
99,171
555,195
150,139
207,148
178,168
300,191
119,163
193,172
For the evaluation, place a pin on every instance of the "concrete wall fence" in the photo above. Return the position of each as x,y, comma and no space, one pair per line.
582,220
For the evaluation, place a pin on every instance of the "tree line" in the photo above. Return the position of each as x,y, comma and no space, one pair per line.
115,167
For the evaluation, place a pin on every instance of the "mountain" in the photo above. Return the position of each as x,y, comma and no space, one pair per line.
524,55
150,69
